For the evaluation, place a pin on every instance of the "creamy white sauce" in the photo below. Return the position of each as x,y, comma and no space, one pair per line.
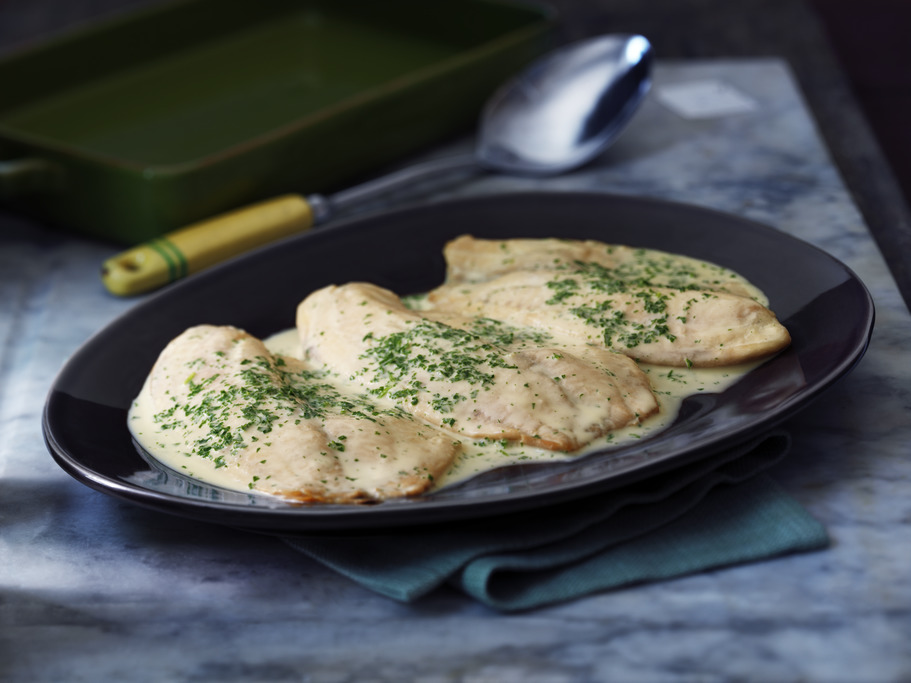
169,448
670,385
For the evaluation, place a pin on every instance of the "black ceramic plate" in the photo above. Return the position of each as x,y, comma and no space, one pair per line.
825,307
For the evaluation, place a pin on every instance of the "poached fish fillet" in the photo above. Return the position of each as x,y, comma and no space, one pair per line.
469,259
659,325
285,428
461,376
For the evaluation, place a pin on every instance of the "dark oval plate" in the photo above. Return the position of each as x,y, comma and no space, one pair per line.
826,308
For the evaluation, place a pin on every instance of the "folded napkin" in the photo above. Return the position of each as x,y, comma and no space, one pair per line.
719,511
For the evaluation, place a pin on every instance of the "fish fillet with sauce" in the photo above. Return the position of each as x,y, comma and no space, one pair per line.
278,425
463,382
469,259
658,325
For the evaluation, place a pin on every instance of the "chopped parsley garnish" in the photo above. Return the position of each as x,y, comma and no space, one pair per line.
589,297
400,364
261,395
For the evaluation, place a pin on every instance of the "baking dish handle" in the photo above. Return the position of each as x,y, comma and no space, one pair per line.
27,176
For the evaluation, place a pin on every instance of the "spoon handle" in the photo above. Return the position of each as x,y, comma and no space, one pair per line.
408,178
204,244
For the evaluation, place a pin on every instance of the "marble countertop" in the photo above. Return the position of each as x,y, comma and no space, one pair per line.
92,588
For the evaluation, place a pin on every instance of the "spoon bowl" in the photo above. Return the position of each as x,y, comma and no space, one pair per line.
566,108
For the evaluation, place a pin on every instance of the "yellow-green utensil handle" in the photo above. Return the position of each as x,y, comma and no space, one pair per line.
201,245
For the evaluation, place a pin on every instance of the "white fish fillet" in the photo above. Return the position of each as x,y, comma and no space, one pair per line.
463,381
653,324
469,259
276,423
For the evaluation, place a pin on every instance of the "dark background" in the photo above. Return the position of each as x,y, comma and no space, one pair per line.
872,41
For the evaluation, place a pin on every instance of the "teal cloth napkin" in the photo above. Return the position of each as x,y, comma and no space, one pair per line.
719,511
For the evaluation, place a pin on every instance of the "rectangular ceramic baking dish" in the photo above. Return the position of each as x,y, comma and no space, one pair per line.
137,126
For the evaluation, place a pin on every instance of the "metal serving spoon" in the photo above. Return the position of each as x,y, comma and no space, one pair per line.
557,115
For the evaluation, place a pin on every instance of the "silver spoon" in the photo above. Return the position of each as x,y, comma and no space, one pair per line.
557,115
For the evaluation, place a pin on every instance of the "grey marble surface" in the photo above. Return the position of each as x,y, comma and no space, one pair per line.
95,589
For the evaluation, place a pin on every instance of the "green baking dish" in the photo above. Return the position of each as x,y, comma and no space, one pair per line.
137,126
